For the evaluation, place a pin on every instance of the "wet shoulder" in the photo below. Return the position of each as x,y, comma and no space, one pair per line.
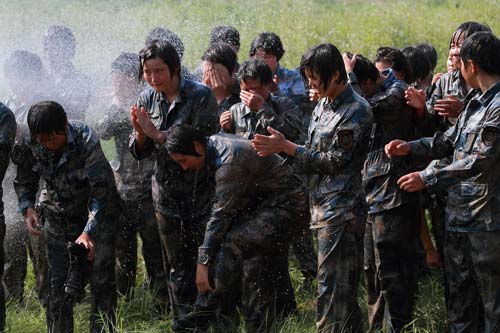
230,148
7,125
194,89
83,135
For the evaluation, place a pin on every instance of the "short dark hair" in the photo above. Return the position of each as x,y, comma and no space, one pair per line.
364,69
180,137
46,118
221,53
325,60
166,35
429,51
24,65
269,42
62,38
256,69
164,51
483,48
468,28
226,34
127,64
419,66
395,57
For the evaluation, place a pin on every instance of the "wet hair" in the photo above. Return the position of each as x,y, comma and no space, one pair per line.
221,53
483,49
364,69
162,50
466,29
166,35
395,57
46,119
256,69
24,65
62,38
226,34
324,60
419,66
126,64
429,51
269,42
180,137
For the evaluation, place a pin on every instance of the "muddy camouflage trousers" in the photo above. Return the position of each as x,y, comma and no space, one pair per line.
253,258
18,244
139,217
473,276
180,241
100,274
391,244
340,261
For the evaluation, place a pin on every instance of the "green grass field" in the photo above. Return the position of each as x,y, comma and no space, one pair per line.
104,29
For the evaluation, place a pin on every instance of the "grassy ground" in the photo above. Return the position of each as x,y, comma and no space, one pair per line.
139,315
105,29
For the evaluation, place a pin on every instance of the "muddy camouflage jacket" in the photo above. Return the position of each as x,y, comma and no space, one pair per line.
281,113
333,158
450,83
133,177
79,183
7,137
472,179
241,177
178,193
290,83
393,119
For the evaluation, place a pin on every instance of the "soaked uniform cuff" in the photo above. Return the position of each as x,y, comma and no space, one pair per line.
429,179
24,205
203,255
301,156
89,228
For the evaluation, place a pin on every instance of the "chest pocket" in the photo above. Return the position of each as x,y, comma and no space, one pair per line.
325,141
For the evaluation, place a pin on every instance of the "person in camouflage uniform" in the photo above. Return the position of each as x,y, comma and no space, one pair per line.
180,197
79,205
72,89
219,63
25,76
469,171
258,110
256,201
268,47
332,159
133,180
170,37
7,136
392,213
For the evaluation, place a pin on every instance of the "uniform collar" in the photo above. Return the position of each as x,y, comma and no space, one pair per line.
489,94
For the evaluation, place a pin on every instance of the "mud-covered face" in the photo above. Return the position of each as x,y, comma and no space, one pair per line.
157,74
314,82
125,87
270,59
54,142
188,162
455,46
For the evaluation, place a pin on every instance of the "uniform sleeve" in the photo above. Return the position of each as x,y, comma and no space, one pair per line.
334,153
228,192
205,116
438,147
288,119
149,145
107,126
27,180
101,181
483,157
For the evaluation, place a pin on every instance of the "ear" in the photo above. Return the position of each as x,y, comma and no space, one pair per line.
473,66
199,147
